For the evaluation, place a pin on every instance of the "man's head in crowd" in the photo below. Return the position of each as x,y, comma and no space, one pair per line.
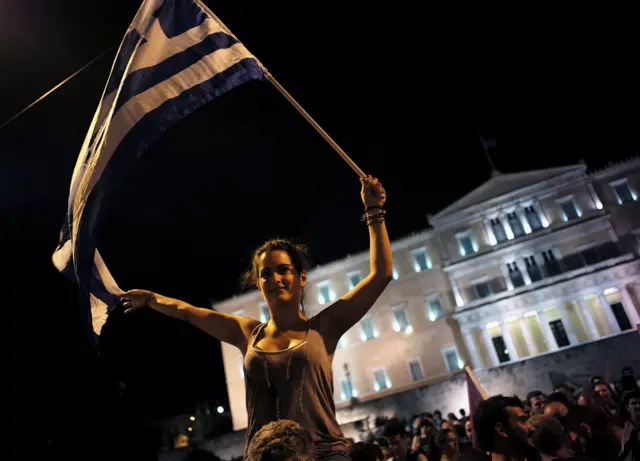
282,440
446,425
384,445
556,405
591,433
632,404
536,401
566,390
551,440
468,429
603,391
501,426
448,442
366,452
395,432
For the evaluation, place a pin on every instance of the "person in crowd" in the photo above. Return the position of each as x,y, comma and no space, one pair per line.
385,446
536,401
288,359
366,452
551,441
630,438
464,418
282,440
398,438
568,391
468,429
556,405
591,433
447,442
502,429
453,419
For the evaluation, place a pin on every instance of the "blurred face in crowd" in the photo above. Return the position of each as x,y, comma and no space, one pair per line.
537,404
468,429
634,409
519,431
452,441
556,409
604,392
446,425
399,446
566,391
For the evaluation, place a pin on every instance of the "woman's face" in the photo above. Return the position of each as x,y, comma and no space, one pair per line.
278,280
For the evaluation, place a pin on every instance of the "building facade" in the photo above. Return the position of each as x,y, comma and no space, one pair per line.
525,265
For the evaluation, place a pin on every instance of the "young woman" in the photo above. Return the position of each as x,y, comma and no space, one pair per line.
288,359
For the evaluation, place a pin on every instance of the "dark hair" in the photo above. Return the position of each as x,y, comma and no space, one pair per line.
630,395
558,397
590,415
550,437
533,394
281,440
297,252
394,427
489,413
365,452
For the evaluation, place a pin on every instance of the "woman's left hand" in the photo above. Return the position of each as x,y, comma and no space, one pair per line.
372,192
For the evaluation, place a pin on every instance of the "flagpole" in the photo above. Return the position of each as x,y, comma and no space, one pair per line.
474,378
294,103
57,86
314,124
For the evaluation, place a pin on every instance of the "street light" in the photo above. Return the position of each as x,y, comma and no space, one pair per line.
220,409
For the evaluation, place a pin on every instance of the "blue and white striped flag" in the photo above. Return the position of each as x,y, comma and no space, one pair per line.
175,57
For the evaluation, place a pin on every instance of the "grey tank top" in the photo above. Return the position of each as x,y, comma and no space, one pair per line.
295,384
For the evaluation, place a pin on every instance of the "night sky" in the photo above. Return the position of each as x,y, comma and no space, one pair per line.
404,92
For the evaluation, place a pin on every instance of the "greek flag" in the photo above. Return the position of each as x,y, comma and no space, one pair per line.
175,57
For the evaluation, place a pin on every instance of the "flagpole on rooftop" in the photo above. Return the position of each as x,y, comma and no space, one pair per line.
484,143
295,104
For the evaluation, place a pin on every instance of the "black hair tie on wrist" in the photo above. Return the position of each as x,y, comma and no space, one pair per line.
373,207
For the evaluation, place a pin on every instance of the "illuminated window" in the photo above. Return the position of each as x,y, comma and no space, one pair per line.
466,243
400,318
354,278
622,190
421,261
435,309
415,370
452,359
325,293
381,379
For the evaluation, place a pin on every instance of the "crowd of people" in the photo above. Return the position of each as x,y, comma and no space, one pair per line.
600,422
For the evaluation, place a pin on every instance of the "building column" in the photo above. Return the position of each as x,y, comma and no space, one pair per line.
531,345
470,343
491,237
523,220
456,292
491,350
505,274
587,319
523,271
546,329
608,313
568,326
508,340
594,196
541,214
629,306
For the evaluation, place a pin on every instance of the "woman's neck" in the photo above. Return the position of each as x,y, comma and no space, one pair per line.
286,317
